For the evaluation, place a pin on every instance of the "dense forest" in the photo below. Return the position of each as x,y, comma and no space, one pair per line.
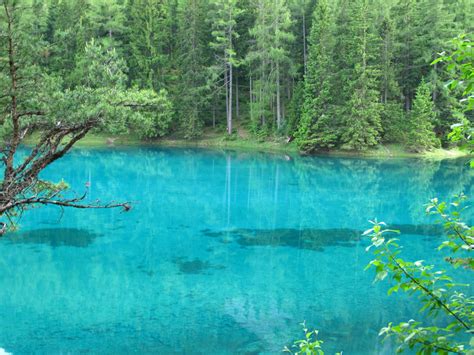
329,73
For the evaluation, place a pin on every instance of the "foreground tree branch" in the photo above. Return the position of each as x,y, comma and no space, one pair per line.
21,187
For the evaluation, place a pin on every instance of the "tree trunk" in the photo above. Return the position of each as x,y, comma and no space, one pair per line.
214,113
251,99
278,105
407,102
226,82
385,89
236,97
305,49
260,99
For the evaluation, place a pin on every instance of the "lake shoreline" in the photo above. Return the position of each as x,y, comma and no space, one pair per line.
243,144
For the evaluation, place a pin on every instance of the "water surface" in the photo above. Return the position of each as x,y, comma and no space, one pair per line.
223,252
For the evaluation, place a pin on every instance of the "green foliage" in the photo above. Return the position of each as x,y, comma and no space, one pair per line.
50,189
420,135
394,122
309,345
460,236
146,38
295,109
99,67
154,114
224,20
438,292
460,65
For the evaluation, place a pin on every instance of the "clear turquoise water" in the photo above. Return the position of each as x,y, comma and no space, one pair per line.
223,252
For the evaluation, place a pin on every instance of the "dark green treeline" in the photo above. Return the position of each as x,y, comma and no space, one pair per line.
332,73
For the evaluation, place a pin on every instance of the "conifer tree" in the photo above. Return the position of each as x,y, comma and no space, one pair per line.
420,135
67,29
223,23
194,91
360,111
268,58
316,129
146,40
108,22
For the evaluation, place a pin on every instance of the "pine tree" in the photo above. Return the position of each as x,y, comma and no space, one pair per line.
343,58
420,135
146,58
404,15
268,58
194,91
108,22
361,125
67,28
302,14
388,84
316,129
224,20
100,67
392,115
422,28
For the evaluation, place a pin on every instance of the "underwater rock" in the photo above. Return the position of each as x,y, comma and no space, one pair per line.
55,237
310,238
434,230
196,266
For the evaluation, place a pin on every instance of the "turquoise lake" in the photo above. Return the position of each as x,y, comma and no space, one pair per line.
223,252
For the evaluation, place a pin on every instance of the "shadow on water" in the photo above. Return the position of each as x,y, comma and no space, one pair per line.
196,266
55,237
311,239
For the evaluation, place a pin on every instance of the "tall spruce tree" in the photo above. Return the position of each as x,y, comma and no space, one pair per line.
223,22
317,129
268,58
108,22
420,135
146,33
67,33
404,15
359,105
392,115
193,59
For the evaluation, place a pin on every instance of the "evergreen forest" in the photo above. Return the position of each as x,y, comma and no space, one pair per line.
329,74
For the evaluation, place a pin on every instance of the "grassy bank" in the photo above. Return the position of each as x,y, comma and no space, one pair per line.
220,140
